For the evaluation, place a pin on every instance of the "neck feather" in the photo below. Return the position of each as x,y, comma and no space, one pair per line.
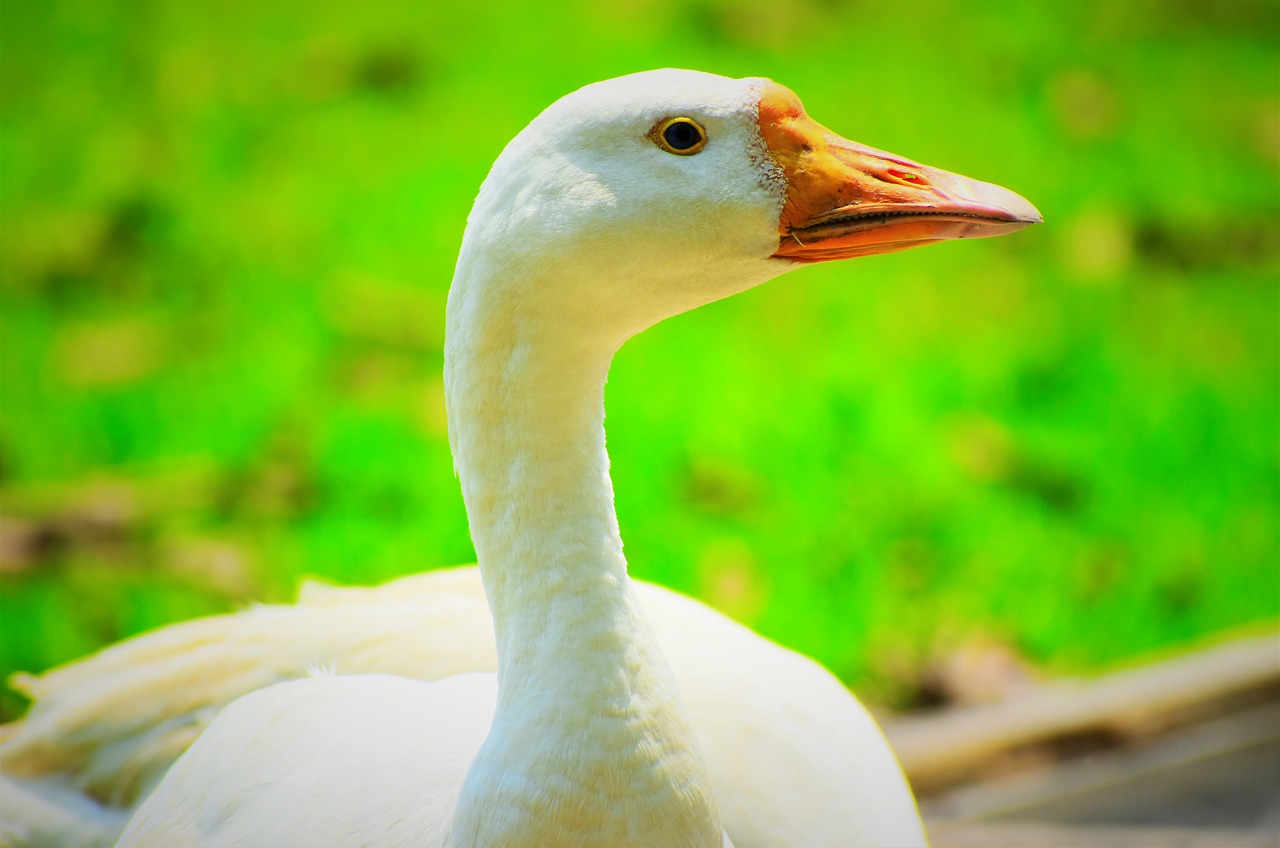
588,717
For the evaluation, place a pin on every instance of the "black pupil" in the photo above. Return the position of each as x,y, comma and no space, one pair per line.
682,135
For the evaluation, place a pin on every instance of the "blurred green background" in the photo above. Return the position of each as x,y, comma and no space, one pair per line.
227,230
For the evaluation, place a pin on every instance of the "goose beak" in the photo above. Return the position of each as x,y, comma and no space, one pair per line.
845,199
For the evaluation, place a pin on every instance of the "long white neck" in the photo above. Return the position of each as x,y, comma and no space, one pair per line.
589,744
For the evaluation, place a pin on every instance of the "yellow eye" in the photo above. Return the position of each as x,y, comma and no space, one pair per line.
681,136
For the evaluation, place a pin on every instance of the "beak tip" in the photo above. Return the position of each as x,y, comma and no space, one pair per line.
1028,214
1018,208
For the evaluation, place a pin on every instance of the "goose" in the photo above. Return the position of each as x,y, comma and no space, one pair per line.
623,203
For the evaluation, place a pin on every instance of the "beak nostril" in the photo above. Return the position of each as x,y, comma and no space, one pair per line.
908,177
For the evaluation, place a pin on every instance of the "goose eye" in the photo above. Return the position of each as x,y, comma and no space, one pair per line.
681,136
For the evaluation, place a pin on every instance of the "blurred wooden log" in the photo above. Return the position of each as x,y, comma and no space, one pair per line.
988,835
1223,773
941,748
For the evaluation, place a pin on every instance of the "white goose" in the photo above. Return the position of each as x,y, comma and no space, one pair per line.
622,204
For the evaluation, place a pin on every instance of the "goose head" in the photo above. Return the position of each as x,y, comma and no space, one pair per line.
641,197
622,204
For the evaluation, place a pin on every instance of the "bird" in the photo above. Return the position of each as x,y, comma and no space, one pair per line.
622,204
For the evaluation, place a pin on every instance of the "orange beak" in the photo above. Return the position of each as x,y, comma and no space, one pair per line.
845,199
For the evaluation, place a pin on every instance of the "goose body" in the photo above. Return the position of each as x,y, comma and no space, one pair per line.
103,730
622,204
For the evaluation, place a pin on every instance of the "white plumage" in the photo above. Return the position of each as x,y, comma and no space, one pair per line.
109,726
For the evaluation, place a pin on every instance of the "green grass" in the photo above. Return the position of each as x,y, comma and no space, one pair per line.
226,233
